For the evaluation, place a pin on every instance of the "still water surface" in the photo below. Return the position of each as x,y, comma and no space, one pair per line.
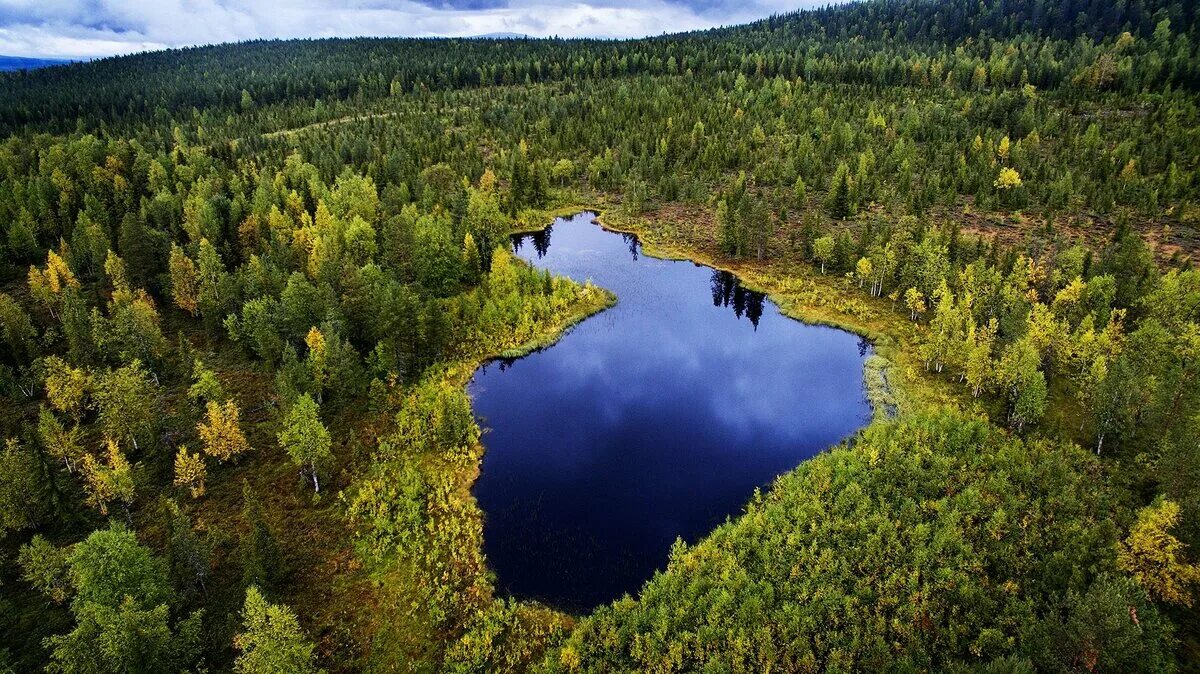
652,420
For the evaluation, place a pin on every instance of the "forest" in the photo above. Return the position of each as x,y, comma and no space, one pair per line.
242,288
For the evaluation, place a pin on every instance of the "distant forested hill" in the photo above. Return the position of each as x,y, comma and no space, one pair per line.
869,41
8,63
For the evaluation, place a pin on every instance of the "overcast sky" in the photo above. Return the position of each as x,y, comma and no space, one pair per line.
91,28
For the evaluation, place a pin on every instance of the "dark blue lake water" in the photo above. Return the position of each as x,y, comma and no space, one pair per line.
652,420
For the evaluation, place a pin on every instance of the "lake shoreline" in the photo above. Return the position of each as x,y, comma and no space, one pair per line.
684,375
883,393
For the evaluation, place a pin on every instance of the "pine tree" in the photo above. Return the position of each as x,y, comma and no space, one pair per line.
1156,558
20,477
800,192
839,203
271,641
727,229
44,566
187,556
17,331
258,549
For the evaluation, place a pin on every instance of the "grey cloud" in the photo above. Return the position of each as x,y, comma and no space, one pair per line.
90,28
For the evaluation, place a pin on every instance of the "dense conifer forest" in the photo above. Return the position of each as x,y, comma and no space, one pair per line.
242,288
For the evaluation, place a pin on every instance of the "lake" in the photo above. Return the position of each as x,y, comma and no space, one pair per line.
652,420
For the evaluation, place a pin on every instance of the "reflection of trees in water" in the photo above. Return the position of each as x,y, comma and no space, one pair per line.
631,241
863,345
722,287
754,307
728,292
540,240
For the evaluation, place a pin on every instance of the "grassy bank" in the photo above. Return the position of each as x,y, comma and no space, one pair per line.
417,526
895,380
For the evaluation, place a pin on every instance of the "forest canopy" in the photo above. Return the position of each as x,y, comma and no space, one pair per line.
242,288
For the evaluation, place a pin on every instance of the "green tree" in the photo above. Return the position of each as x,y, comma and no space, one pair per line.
839,203
61,444
728,228
66,386
22,238
120,604
563,171
760,227
21,505
214,285
355,196
915,301
258,328
258,548
187,556
205,384
271,641
110,564
76,322
635,194
438,256
1111,627
360,241
1024,383
304,437
946,330
110,480
823,250
485,220
131,330
142,248
127,401
317,361
45,567
185,283
440,184
979,370
17,331
800,192
1156,558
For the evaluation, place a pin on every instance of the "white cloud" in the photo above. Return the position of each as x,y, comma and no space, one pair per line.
91,28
